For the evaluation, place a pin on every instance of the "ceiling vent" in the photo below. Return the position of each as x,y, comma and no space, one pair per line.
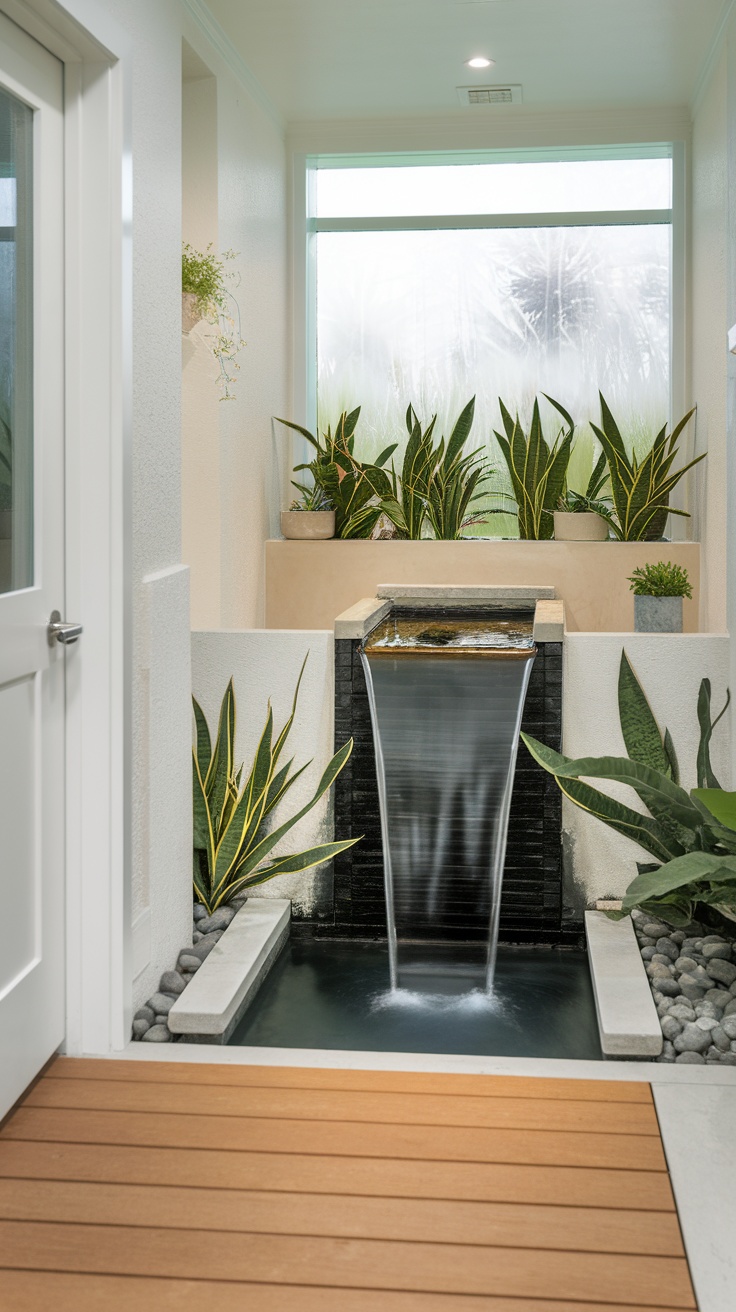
510,95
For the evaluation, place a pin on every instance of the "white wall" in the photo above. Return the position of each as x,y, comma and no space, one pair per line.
265,665
598,861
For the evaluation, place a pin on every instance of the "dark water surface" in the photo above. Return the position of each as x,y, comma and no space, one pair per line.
335,995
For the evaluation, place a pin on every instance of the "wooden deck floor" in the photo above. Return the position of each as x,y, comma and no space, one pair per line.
146,1186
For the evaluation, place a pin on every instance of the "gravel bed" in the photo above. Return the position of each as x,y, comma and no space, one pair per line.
692,973
151,1021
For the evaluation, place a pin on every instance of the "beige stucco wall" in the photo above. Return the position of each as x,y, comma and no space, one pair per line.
309,583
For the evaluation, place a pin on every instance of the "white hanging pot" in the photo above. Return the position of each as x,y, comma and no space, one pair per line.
583,527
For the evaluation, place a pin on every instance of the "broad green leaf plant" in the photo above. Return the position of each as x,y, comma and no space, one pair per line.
538,471
641,490
692,836
232,842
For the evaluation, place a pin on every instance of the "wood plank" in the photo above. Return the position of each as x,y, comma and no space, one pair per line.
361,1264
443,1143
571,1115
29,1291
308,1077
469,1181
506,1225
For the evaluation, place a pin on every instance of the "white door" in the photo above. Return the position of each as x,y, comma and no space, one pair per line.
32,904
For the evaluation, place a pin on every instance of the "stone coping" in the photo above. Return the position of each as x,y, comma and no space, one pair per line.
549,613
212,1004
627,1017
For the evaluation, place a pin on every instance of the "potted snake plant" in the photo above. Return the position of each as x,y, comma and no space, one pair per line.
311,515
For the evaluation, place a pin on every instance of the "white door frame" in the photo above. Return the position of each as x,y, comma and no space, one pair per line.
98,381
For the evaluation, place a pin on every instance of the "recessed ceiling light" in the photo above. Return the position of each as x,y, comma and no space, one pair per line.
479,61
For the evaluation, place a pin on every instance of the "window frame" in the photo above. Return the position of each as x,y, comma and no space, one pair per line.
306,226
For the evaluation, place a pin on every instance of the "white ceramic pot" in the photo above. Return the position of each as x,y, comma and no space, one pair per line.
190,315
657,614
308,525
584,527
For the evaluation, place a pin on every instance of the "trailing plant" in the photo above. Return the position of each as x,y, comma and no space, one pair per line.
231,842
537,470
438,484
661,580
355,490
6,464
203,275
691,836
641,488
592,500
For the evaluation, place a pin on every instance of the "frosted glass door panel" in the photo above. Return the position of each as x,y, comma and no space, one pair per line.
434,317
16,344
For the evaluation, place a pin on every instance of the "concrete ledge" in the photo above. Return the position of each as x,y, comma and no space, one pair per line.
485,594
214,1001
549,621
360,619
627,1017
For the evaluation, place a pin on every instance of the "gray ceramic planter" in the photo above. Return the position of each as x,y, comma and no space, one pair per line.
308,525
658,614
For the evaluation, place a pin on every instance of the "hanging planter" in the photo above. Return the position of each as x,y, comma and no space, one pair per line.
206,296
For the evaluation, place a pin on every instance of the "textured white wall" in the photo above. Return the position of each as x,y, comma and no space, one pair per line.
599,862
710,239
265,665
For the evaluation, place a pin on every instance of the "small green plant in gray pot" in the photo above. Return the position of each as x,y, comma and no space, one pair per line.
310,517
658,592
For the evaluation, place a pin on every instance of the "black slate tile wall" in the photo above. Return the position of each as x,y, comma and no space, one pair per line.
531,905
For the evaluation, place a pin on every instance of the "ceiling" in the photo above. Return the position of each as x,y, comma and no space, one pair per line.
375,58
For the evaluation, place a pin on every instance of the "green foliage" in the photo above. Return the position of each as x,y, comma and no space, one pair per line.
311,497
692,836
641,489
661,580
537,471
204,275
355,490
439,484
592,500
231,845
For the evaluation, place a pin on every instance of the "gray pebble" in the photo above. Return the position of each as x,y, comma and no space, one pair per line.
668,1052
690,1059
140,1027
728,1059
187,961
653,929
730,1008
721,1039
157,1034
678,936
723,971
669,987
205,945
691,945
172,982
162,1003
692,1039
671,1027
196,936
728,1025
662,960
712,1056
716,948
199,912
144,1013
718,997
667,948
691,991
663,1006
684,964
705,1008
219,919
646,942
647,953
682,1013
656,970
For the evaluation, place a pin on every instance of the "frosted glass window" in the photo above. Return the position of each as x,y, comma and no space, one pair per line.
433,317
556,186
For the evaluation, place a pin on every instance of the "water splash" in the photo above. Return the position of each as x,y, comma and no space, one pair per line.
476,1001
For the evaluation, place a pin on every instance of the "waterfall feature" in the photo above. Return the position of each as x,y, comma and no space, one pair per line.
446,695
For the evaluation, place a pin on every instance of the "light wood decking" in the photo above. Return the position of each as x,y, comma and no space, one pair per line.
144,1186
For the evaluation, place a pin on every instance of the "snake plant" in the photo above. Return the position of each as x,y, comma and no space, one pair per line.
641,489
354,489
438,484
537,471
231,842
692,836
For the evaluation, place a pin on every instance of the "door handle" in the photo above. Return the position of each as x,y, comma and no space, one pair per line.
58,631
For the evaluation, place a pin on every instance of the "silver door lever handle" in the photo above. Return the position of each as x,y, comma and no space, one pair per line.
59,632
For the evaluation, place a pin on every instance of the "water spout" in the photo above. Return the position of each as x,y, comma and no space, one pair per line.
446,700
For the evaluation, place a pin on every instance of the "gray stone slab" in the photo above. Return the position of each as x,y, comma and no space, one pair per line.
627,1017
359,620
212,1004
448,594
